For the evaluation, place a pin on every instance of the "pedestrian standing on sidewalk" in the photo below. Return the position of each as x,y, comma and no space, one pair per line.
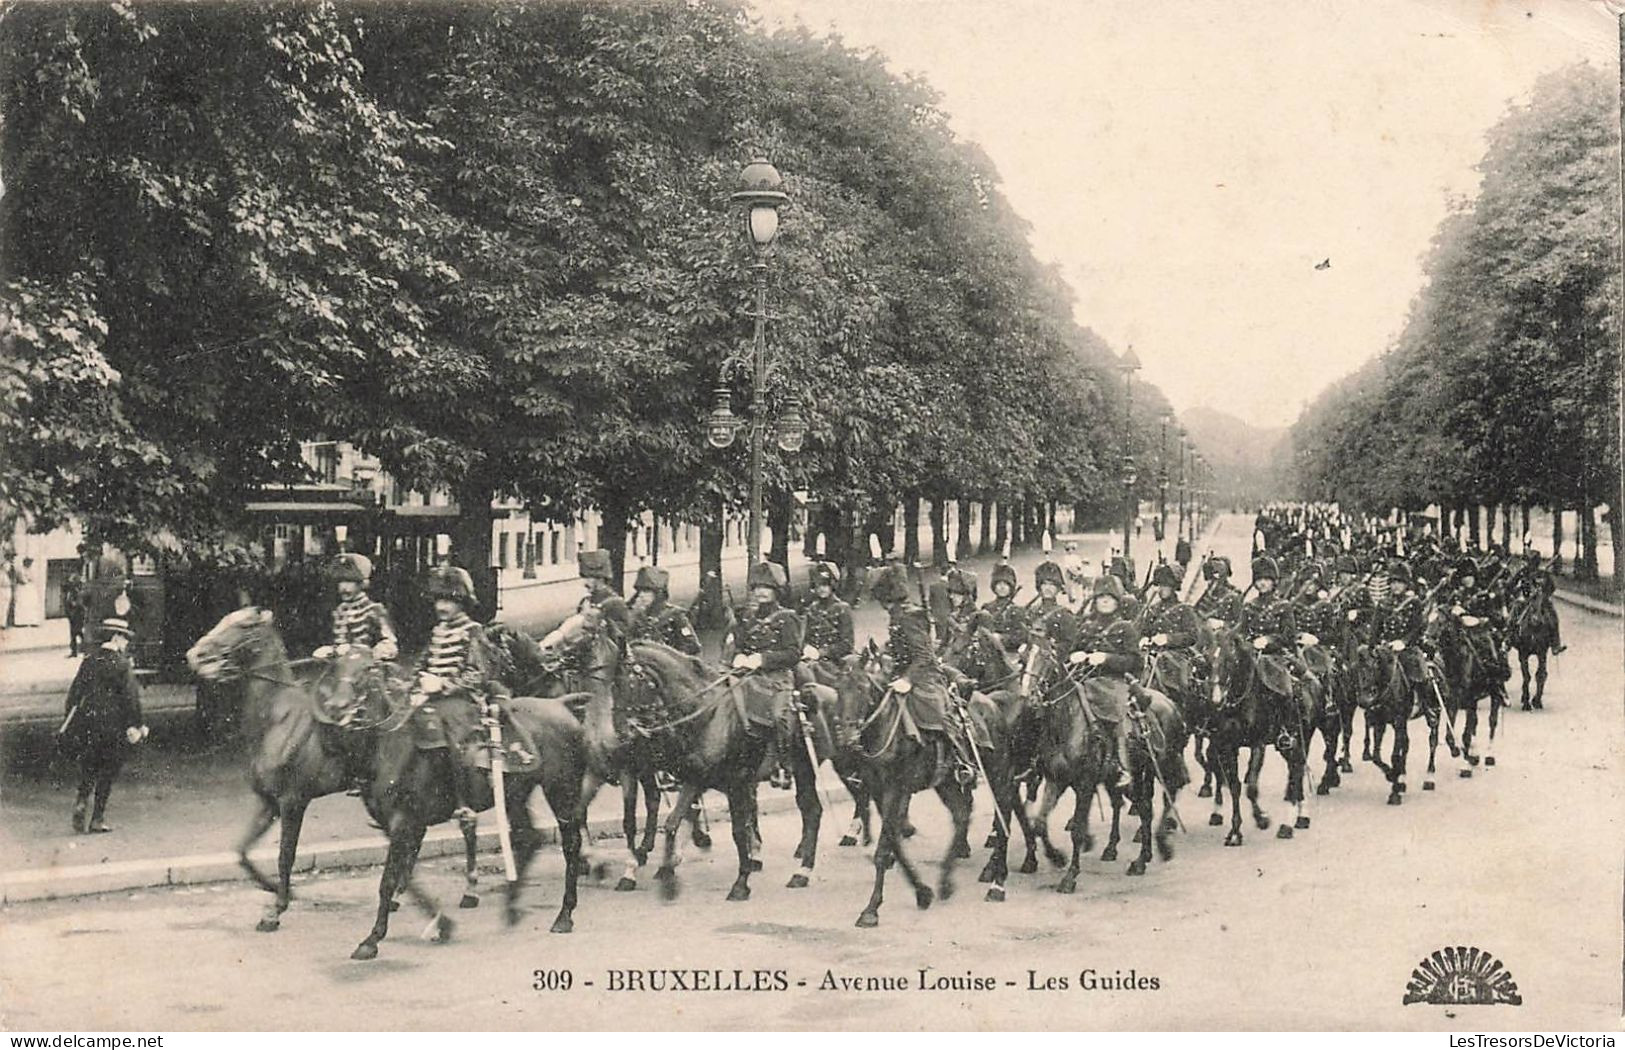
103,722
73,606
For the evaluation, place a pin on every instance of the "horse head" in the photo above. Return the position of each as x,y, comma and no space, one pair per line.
857,691
233,645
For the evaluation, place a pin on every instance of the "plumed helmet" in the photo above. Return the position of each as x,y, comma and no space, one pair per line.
1468,567
1004,572
450,581
1399,572
767,574
1266,569
1216,566
962,581
824,572
1107,586
1346,563
354,568
1048,572
1165,576
593,565
891,585
652,578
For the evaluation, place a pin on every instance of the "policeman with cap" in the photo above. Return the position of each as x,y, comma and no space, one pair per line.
765,644
654,618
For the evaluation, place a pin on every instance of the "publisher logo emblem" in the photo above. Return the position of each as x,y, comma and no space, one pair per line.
1462,977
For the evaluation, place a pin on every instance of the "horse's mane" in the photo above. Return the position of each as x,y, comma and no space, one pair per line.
677,671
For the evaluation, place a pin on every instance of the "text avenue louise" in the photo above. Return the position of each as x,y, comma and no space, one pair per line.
923,979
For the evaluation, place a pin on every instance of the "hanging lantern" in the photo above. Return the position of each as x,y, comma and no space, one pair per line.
792,428
721,425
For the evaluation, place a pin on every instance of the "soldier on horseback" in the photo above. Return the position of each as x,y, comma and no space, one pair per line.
1006,619
1049,618
827,633
1480,614
654,618
1220,600
359,622
765,644
1269,623
461,666
1535,584
1108,643
919,680
595,570
962,612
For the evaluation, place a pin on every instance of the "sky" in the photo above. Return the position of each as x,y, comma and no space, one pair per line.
1187,164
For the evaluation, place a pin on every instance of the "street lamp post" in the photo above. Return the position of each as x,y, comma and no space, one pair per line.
761,194
1162,480
1182,521
1129,365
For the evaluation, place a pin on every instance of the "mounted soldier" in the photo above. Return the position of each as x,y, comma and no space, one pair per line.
1267,622
654,618
1220,600
1049,618
765,644
458,676
359,623
962,614
919,680
1107,642
1006,619
596,570
1535,583
1167,622
827,634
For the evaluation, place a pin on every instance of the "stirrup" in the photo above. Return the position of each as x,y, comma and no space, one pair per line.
781,778
464,814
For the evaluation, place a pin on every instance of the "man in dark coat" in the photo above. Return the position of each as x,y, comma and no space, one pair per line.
1005,618
595,570
654,618
827,637
103,721
766,645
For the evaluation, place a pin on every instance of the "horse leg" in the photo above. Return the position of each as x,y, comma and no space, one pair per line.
257,827
1495,724
1469,733
1116,834
1345,715
525,839
1231,759
741,817
812,814
666,874
1255,766
393,862
471,864
890,818
1051,796
637,854
700,824
1144,790
1080,833
1373,740
958,799
591,783
1523,673
1540,680
1433,746
1402,747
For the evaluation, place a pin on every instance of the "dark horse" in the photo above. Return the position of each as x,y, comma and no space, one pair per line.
1533,633
667,712
1398,687
870,723
297,757
1473,669
1076,752
1264,704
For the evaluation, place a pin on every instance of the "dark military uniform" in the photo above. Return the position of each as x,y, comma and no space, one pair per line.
667,624
1173,618
1115,636
1007,620
1220,601
1268,616
104,702
828,626
908,644
1050,619
774,634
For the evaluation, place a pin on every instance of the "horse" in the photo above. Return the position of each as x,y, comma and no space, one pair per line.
1325,685
584,636
413,788
1200,709
1076,752
976,659
297,757
1533,633
668,712
1473,669
1396,677
1263,705
872,721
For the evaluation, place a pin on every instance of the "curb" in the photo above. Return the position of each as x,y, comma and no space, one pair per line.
60,883
1581,601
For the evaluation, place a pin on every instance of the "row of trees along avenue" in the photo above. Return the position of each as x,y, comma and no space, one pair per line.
1503,387
492,244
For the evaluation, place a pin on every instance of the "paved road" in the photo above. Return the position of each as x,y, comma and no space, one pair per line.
1322,931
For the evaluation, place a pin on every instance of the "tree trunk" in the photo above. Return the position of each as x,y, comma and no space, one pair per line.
1506,526
985,546
962,542
855,551
1000,512
1472,525
780,513
612,537
1524,510
711,611
471,540
939,532
1049,512
1615,540
1557,533
911,528
1585,567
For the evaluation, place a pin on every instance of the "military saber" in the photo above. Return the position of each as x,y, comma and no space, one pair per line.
499,762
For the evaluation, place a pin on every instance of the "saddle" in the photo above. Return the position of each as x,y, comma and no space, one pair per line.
455,723
373,694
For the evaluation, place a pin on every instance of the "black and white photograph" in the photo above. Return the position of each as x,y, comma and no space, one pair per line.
788,516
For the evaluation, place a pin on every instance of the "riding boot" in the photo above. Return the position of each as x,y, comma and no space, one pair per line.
780,777
1125,778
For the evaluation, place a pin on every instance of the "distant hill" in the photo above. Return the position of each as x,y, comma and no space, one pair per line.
1247,461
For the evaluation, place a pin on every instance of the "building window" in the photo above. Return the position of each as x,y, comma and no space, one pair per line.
502,550
555,536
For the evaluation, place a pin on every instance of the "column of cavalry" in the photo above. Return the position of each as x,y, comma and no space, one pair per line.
1096,684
